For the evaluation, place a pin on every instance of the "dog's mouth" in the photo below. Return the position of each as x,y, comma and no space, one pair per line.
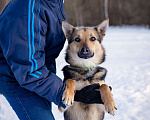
85,56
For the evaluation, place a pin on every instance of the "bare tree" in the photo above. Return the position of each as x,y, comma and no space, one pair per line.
76,11
81,11
120,10
3,3
106,8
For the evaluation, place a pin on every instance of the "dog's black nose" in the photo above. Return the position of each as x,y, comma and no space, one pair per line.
85,50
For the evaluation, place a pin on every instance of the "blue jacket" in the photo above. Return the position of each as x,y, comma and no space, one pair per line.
31,38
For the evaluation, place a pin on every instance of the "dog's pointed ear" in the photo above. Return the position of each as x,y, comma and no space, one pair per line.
102,27
67,29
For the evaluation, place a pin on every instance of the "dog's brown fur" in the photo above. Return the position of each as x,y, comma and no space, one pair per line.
78,77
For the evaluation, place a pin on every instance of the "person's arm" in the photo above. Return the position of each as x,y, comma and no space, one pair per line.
89,94
23,45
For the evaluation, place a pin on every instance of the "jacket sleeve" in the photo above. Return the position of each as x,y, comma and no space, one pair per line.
23,47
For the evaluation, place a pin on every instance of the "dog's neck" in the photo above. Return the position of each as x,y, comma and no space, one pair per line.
89,74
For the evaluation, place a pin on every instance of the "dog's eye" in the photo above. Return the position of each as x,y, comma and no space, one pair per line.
93,39
77,39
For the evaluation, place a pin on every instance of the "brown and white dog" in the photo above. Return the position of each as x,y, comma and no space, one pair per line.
84,53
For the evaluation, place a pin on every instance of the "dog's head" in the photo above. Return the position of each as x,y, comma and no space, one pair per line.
84,44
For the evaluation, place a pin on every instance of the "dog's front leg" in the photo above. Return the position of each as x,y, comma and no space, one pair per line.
107,98
68,94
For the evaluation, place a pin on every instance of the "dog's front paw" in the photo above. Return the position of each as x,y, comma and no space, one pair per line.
108,100
68,97
109,104
68,94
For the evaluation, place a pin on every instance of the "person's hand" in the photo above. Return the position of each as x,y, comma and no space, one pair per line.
89,95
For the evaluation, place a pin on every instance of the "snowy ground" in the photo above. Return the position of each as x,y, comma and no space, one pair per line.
128,65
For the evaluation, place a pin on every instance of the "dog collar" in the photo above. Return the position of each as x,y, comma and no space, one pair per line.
82,67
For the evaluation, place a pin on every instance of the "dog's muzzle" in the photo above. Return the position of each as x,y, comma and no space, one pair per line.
85,53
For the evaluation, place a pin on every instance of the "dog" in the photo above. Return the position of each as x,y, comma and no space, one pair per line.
84,53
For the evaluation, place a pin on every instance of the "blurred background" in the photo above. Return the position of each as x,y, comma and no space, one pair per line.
3,3
92,12
120,12
127,44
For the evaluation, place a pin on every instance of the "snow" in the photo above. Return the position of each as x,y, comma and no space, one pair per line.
128,65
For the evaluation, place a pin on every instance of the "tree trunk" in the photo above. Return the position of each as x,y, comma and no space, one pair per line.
120,11
106,8
3,3
76,11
